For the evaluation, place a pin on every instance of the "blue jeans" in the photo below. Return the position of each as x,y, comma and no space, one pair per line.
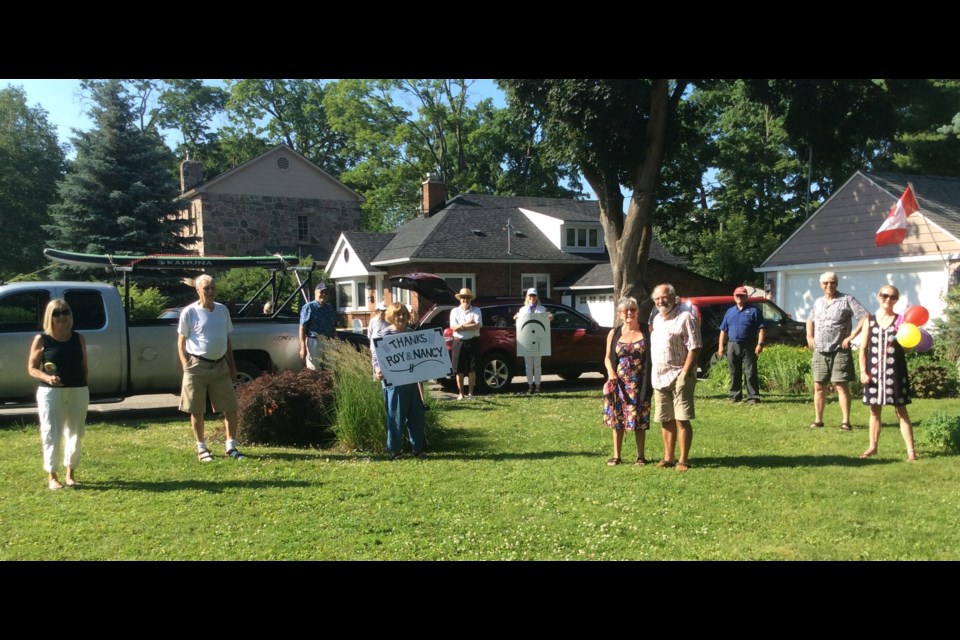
404,409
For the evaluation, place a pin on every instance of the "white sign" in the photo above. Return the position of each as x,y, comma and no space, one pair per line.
533,334
412,356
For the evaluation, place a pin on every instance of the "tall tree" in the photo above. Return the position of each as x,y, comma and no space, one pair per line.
290,112
924,145
616,132
31,163
119,194
405,129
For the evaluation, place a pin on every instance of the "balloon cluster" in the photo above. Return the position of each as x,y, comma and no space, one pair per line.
910,335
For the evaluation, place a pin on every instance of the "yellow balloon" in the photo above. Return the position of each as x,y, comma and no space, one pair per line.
908,335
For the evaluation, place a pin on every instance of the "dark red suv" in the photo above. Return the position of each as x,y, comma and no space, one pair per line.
577,342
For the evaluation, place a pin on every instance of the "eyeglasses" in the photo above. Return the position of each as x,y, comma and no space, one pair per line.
891,296
832,282
626,311
65,313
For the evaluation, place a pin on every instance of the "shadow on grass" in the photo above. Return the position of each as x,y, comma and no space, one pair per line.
208,486
782,462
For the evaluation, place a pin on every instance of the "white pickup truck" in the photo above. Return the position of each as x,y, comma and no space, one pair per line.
125,358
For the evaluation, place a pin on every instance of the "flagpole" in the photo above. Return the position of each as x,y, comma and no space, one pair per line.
946,264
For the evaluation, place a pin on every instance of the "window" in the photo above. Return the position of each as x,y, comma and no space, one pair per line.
361,295
400,295
87,308
303,229
583,238
345,295
565,319
23,311
458,281
538,281
352,295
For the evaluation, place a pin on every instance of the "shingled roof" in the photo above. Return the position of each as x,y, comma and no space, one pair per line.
938,196
474,227
366,245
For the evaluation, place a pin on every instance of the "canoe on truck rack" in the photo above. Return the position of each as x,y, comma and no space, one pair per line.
167,261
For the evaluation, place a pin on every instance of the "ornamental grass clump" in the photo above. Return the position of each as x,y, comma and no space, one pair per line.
287,408
942,431
360,415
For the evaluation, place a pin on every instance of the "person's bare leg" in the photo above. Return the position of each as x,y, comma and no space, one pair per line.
906,430
460,384
843,391
669,433
473,382
686,439
874,432
641,437
819,401
617,445
197,424
230,424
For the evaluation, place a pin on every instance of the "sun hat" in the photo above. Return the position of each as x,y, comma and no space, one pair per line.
465,293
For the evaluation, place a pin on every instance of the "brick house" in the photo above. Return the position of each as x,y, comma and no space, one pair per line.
497,246
277,202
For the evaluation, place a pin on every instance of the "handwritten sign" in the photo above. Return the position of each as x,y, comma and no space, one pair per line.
533,334
412,356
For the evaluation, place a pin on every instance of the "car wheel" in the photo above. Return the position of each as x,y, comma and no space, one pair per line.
495,373
246,372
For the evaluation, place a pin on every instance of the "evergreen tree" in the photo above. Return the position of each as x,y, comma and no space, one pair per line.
31,163
119,194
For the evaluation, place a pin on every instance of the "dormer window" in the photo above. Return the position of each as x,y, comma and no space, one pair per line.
583,238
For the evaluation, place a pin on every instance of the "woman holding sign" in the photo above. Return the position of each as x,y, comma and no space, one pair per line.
883,370
532,363
405,407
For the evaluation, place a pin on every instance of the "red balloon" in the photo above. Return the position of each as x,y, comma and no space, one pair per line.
916,315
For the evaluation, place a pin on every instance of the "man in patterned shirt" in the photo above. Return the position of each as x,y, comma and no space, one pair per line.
829,336
317,320
674,346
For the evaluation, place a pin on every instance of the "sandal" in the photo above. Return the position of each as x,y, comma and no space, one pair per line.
682,466
612,462
641,461
816,425
665,464
845,426
236,455
204,456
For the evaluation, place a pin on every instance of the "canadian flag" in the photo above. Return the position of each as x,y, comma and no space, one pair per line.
894,228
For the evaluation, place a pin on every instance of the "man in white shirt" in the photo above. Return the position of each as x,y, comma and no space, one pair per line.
465,321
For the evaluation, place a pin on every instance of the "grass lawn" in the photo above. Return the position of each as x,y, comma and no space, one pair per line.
511,477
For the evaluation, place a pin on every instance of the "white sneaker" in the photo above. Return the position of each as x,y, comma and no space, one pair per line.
460,397
469,396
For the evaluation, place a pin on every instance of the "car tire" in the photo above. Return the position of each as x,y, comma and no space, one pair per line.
246,372
495,372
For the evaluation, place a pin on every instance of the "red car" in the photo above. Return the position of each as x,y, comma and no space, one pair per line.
578,344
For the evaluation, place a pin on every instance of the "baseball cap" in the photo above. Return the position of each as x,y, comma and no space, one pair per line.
532,292
740,291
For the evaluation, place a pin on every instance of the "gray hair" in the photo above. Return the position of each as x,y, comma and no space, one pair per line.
201,281
829,275
627,303
670,290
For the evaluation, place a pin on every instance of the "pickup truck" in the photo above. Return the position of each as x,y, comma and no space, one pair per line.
125,358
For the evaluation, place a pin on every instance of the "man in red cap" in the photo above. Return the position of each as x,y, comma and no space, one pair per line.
743,331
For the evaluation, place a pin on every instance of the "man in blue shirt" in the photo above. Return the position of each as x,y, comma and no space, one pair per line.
743,330
317,319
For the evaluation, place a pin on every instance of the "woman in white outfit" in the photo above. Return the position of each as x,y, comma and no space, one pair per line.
58,361
532,363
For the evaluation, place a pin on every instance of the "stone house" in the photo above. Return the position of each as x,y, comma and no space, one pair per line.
277,202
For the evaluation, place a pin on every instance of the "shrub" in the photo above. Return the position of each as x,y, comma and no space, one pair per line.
785,369
361,416
932,379
287,408
943,431
145,304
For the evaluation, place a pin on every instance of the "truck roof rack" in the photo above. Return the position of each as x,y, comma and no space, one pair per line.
158,261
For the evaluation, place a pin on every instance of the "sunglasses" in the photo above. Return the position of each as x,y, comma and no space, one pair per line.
64,313
833,282
890,296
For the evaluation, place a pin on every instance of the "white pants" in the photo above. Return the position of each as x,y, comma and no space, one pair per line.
532,365
63,414
314,354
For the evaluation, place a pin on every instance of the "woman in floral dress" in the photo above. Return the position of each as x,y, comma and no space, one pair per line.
626,400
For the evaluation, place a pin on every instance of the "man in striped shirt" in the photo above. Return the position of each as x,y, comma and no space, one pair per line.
674,347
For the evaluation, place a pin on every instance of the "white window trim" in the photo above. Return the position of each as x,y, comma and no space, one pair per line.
585,249
463,276
535,276
359,305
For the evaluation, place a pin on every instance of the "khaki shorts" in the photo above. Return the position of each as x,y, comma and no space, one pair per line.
676,401
202,379
833,366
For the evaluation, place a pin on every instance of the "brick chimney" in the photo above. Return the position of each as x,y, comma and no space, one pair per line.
191,174
434,196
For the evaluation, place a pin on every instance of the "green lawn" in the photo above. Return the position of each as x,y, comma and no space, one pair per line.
511,478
